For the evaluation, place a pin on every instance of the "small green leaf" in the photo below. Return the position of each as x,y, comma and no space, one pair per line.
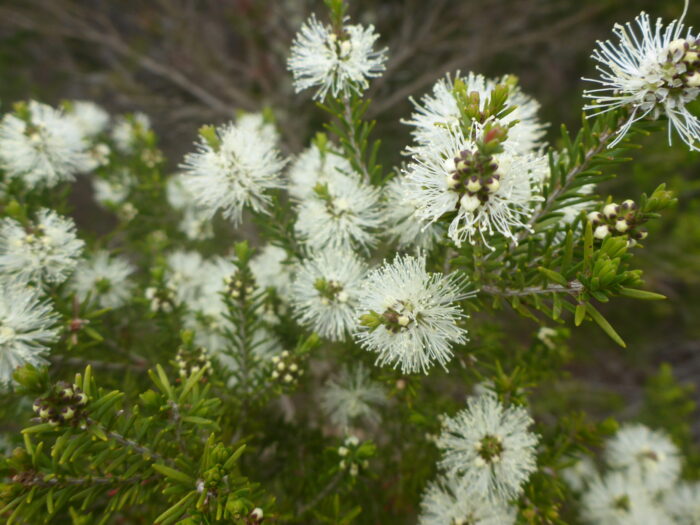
580,314
641,294
605,325
173,474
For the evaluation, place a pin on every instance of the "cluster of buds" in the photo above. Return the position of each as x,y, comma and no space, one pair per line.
191,360
334,206
330,291
617,220
240,286
286,369
160,299
398,317
99,154
473,174
65,404
340,44
355,455
683,65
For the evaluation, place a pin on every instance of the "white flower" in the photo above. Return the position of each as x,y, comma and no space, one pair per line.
401,215
326,290
90,118
340,214
352,396
128,129
313,166
105,279
46,251
42,146
447,502
652,71
683,503
442,180
409,316
489,448
619,499
197,284
235,172
27,326
196,221
338,63
437,114
256,123
580,474
648,455
270,271
113,191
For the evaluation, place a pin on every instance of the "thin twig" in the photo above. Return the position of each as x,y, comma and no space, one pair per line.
573,288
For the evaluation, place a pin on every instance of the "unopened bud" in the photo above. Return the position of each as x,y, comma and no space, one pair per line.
452,181
676,49
257,514
449,165
691,57
601,232
595,216
610,210
469,203
473,184
693,80
628,204
403,320
492,184
621,225
67,413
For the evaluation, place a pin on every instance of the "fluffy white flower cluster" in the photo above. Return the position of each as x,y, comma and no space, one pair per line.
104,279
410,317
353,397
325,293
44,251
640,484
335,61
42,146
450,177
488,449
652,70
27,326
197,285
233,168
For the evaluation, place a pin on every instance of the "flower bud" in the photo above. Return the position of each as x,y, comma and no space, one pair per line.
621,225
601,232
67,413
403,320
452,181
610,210
677,48
492,184
628,204
595,216
469,203
693,80
473,184
449,165
257,514
691,57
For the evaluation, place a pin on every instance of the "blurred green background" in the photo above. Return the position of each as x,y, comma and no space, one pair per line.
191,62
